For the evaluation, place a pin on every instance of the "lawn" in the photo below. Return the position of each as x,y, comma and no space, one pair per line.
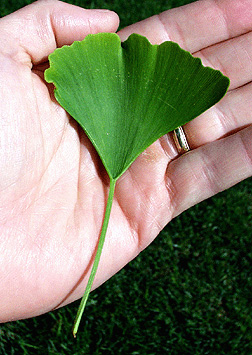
189,293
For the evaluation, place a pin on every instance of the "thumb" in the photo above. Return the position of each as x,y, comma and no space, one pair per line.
33,32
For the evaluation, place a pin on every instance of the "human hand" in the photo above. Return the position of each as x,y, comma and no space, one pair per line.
218,32
48,168
53,186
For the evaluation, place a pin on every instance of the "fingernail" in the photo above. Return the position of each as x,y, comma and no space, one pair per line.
101,10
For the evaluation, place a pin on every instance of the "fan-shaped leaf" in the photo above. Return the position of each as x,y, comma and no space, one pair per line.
126,96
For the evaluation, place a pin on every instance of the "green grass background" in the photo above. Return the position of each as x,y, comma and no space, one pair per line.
190,292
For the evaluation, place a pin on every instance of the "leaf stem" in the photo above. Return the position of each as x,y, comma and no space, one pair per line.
97,257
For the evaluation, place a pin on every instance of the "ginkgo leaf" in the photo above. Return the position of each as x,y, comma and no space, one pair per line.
127,95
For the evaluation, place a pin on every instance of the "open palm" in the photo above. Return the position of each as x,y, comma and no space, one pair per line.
53,185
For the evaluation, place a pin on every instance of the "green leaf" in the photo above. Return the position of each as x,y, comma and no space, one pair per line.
126,96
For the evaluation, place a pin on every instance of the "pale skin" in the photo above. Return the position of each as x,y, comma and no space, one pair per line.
53,187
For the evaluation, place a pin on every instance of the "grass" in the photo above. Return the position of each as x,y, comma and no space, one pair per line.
188,293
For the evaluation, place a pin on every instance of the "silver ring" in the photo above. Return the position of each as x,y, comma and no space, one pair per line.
180,140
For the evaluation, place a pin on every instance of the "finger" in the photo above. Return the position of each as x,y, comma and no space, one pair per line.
233,58
212,168
231,114
197,25
234,112
33,32
188,25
